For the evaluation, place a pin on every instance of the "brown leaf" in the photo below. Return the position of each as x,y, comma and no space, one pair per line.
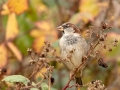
3,55
15,50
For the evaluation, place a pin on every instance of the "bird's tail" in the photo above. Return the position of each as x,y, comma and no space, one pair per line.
79,80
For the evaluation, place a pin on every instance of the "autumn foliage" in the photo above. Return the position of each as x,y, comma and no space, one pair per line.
26,25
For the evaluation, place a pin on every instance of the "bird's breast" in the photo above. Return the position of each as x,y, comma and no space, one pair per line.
71,40
68,43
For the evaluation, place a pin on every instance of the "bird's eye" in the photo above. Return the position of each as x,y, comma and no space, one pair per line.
63,32
66,26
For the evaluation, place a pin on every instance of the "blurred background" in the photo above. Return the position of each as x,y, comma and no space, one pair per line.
28,23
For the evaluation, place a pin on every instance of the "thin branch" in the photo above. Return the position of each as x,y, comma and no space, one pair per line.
49,81
28,87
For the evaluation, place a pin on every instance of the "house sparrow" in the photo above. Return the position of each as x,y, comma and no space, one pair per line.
72,40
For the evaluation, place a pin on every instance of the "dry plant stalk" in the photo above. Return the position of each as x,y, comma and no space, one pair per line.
48,54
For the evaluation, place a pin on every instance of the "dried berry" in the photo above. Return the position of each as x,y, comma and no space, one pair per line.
101,63
104,65
52,80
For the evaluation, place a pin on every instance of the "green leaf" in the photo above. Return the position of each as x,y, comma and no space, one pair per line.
44,86
33,84
34,89
16,78
55,44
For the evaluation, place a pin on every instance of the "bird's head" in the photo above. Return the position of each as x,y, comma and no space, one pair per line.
67,28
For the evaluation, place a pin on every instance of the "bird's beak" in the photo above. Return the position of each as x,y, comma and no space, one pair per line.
60,28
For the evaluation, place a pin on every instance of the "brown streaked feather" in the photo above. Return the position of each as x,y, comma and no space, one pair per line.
77,30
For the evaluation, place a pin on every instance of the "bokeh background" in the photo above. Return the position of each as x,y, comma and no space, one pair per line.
28,23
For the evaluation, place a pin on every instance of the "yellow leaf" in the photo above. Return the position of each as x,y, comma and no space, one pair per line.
44,26
81,18
36,33
5,10
3,55
38,43
89,6
12,27
15,50
17,6
38,6
40,73
43,33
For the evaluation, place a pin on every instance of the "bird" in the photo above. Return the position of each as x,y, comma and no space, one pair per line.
72,41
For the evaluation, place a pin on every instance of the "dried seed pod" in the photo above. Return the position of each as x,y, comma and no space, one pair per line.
88,31
47,43
29,51
110,49
42,55
57,56
115,44
3,71
104,65
93,81
47,50
98,35
97,52
109,28
32,62
100,62
104,26
104,46
72,51
115,40
101,39
69,56
105,35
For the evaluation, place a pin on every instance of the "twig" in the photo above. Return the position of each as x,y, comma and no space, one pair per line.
93,48
49,81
